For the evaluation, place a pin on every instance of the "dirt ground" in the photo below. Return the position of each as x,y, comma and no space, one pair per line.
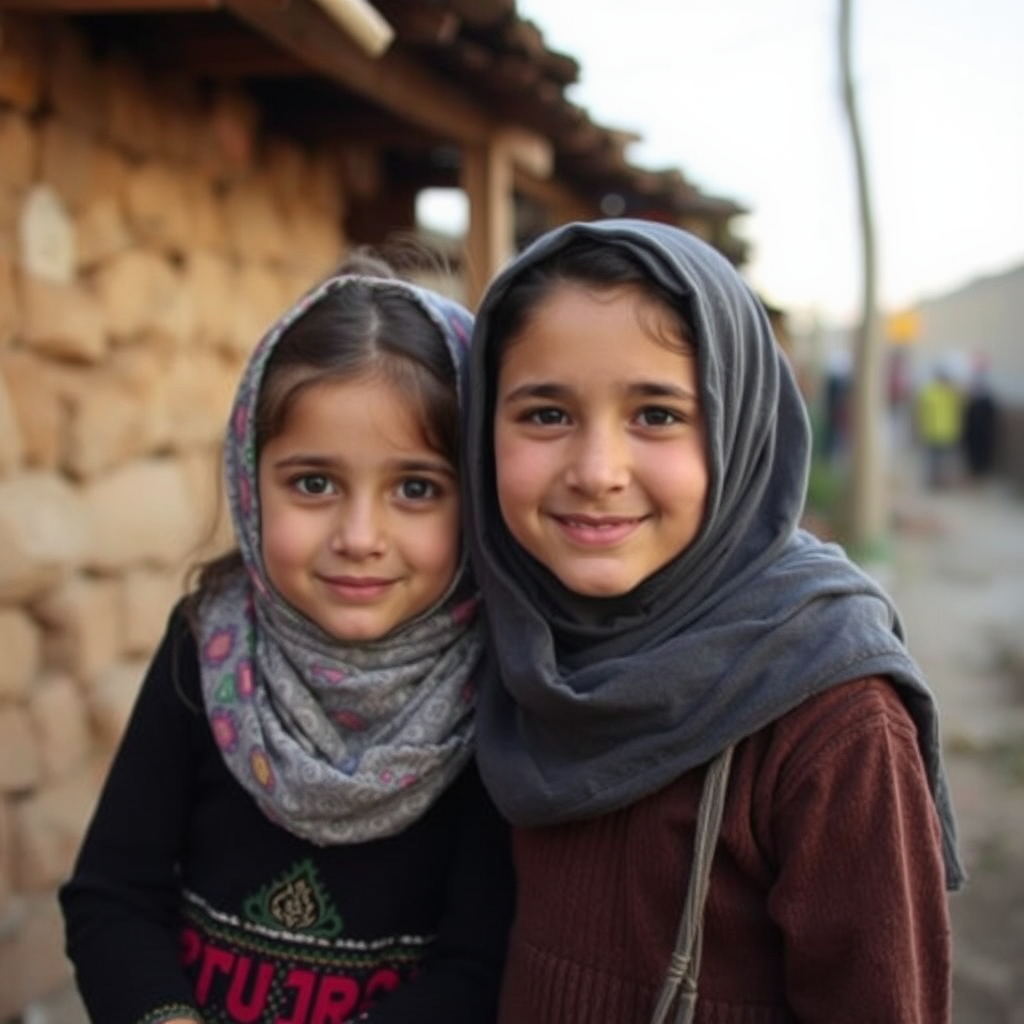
957,572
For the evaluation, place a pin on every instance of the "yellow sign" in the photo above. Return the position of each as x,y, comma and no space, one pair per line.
903,328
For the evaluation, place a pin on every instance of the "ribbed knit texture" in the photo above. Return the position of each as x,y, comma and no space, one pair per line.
867,943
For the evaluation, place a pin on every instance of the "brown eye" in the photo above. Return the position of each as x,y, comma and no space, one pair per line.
417,489
312,484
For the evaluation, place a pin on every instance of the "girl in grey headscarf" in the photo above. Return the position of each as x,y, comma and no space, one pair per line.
637,455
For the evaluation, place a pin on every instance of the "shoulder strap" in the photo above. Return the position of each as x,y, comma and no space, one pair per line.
684,964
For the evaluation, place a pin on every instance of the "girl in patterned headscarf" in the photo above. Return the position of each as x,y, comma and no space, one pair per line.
293,828
636,459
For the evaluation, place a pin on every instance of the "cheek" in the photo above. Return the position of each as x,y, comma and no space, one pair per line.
685,487
519,471
437,548
282,538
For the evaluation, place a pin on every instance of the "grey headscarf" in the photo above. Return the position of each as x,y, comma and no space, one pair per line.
593,703
337,742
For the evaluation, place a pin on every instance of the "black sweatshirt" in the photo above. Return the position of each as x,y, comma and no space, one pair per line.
187,901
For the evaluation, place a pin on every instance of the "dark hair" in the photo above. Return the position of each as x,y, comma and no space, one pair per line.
600,265
360,328
364,328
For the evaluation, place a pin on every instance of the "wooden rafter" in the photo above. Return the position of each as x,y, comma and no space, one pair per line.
109,6
393,81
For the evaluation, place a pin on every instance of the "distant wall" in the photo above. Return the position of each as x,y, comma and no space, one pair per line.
149,232
984,318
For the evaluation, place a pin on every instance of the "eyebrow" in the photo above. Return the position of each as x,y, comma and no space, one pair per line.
645,389
301,460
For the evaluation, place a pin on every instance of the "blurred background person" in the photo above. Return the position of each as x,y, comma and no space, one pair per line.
939,425
979,422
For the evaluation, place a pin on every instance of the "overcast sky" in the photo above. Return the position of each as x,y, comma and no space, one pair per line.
743,97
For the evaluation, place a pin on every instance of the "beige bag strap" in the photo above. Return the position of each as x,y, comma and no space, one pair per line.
684,964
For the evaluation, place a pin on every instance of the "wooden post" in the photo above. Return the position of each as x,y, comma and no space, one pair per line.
487,180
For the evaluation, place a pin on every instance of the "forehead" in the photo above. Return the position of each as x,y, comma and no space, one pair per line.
618,318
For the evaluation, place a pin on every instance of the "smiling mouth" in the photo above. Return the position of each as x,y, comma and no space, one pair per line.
357,587
598,531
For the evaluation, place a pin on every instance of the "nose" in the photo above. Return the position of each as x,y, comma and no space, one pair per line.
359,529
599,460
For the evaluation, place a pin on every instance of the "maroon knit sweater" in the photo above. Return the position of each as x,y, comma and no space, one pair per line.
827,899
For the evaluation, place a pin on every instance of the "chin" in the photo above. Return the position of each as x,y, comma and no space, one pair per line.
598,587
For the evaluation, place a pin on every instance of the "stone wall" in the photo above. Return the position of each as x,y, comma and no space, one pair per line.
149,230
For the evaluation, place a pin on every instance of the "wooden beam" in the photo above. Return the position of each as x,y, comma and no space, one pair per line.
487,177
109,6
392,81
559,201
527,150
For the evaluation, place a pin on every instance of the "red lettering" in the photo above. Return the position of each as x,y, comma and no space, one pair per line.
190,945
304,982
335,1000
214,960
384,980
248,1011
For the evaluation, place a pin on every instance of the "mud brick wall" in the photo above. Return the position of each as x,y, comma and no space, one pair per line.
149,232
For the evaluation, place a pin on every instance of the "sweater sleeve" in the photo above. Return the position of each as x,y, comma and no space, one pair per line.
121,904
860,892
459,982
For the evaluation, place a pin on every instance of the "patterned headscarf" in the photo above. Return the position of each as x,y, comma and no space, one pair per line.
337,742
593,703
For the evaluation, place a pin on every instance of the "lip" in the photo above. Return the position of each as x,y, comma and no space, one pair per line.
592,531
357,588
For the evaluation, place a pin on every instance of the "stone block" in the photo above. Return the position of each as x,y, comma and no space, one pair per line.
157,206
75,84
81,626
256,227
107,424
206,213
326,185
18,145
143,371
147,597
101,232
10,304
32,384
20,768
139,514
6,862
317,245
63,320
21,644
68,161
200,389
12,448
229,136
60,723
48,829
209,278
32,961
141,292
288,173
204,480
46,236
259,293
131,116
22,61
111,700
110,168
182,113
43,534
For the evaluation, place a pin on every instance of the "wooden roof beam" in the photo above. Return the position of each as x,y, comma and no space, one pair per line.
392,81
110,6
